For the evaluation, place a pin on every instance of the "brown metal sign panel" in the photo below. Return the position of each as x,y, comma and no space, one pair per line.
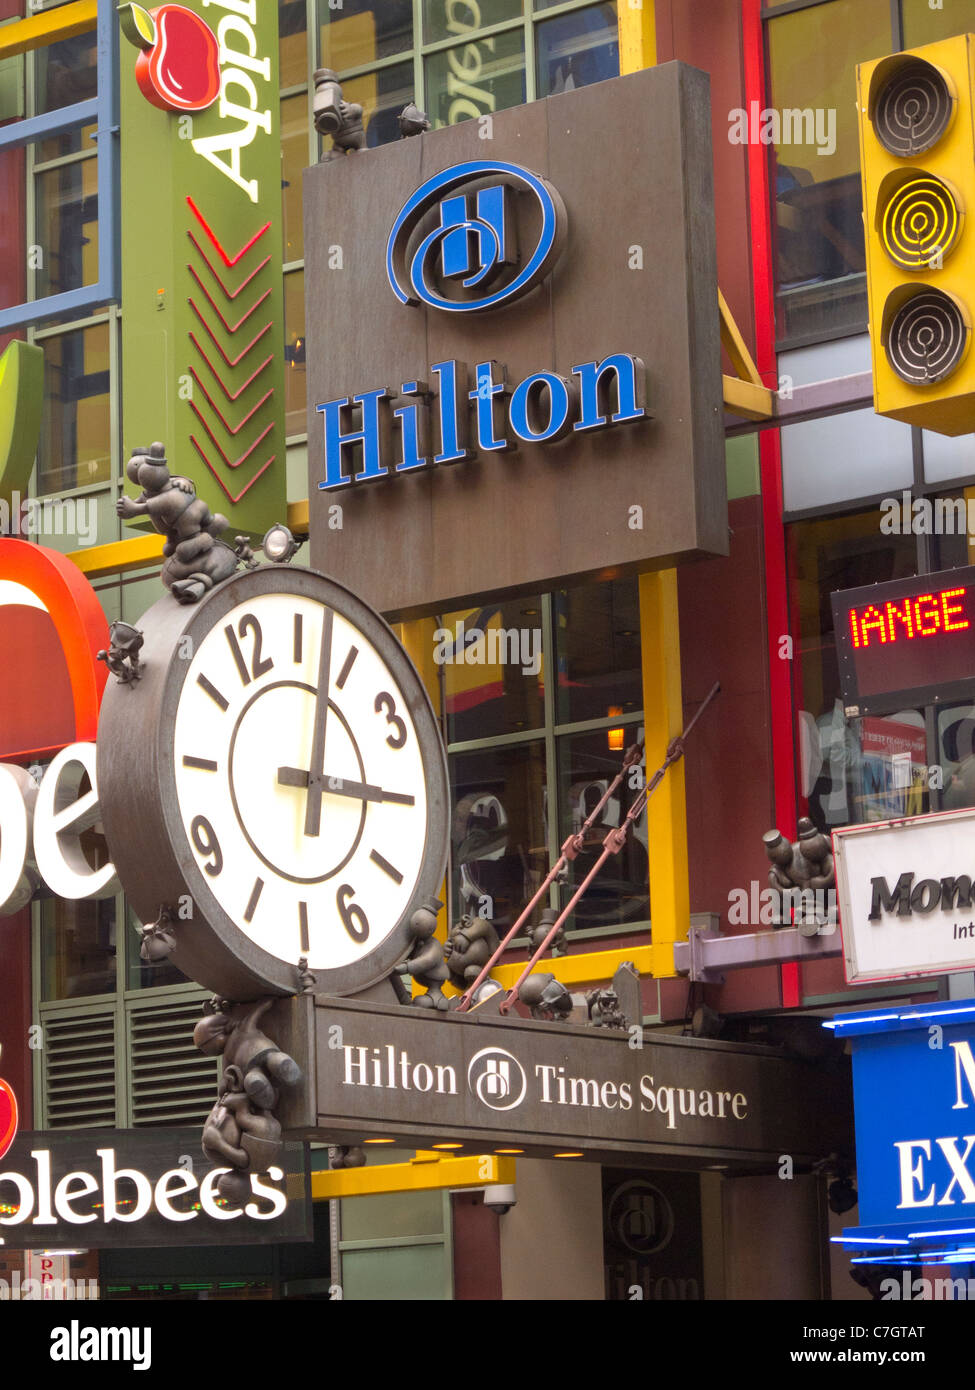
518,317
490,1082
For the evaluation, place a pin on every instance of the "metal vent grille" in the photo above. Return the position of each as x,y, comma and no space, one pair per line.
80,1071
171,1082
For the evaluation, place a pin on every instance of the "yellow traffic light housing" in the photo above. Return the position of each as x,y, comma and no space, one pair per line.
917,159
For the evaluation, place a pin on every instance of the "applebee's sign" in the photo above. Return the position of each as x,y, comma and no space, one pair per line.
40,830
139,1188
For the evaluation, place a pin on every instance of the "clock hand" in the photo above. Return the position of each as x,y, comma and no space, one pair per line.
313,805
341,786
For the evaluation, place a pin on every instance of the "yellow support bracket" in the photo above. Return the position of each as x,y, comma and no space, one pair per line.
746,399
51,26
478,1170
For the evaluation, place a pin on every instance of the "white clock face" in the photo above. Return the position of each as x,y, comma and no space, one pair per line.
299,779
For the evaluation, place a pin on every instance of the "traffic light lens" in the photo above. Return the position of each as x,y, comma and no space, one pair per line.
921,223
927,338
913,110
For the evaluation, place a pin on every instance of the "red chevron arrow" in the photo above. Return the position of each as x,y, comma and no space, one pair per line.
227,260
219,413
230,361
240,391
231,328
231,463
247,486
231,294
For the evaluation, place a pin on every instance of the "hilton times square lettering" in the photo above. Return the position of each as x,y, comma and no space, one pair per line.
391,1068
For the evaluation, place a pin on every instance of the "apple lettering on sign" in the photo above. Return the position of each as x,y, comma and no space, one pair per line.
8,1116
178,67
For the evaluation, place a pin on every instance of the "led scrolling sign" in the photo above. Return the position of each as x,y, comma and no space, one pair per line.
909,642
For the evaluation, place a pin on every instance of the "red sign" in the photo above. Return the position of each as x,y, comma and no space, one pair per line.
8,1116
53,627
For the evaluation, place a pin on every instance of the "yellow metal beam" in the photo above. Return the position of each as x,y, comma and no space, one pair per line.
51,26
99,560
746,399
298,517
638,35
735,345
420,1175
663,717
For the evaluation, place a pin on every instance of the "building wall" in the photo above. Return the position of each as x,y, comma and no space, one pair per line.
552,1240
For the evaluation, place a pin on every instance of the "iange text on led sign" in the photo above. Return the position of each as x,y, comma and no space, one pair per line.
906,643
541,409
924,616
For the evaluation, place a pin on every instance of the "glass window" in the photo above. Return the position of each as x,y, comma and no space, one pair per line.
295,418
476,79
815,175
358,32
577,49
597,634
956,754
452,19
80,140
619,892
382,96
77,948
498,833
294,159
947,457
65,73
492,669
843,457
950,519
66,228
292,43
850,771
74,446
923,23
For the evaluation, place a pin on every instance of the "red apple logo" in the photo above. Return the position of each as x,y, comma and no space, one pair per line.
178,67
8,1116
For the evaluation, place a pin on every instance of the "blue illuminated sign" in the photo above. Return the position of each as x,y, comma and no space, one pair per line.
467,257
914,1098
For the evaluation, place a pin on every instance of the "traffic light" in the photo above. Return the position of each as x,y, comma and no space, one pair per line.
917,160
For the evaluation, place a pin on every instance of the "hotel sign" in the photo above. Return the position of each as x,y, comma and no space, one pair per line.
513,349
905,895
391,1073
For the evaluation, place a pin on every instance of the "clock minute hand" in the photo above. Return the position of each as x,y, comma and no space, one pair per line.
313,805
341,786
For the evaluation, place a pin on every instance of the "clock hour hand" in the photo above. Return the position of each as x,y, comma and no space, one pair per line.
341,786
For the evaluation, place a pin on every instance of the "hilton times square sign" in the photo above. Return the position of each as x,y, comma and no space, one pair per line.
381,1071
512,340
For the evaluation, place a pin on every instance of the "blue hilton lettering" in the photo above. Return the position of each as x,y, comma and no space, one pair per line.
379,433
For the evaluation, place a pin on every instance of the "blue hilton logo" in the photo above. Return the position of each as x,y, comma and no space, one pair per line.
467,258
454,247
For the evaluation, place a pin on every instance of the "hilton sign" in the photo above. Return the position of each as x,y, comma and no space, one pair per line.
513,346
484,1081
